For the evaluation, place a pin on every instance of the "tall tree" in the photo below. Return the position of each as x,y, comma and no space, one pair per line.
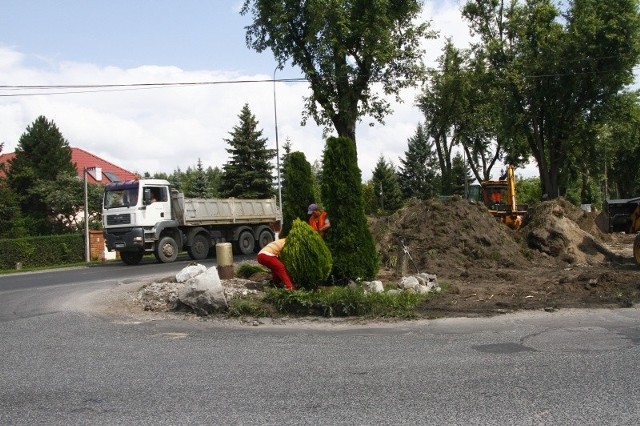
349,238
200,189
42,154
461,175
385,183
10,217
342,47
297,189
418,172
559,70
248,173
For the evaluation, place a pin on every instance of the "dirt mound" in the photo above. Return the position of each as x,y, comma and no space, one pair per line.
565,231
460,238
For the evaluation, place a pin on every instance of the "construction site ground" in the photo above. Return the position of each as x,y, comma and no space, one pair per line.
558,259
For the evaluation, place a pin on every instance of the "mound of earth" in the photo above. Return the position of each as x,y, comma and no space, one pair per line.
558,258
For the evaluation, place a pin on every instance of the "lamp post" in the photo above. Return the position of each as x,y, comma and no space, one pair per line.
87,244
275,116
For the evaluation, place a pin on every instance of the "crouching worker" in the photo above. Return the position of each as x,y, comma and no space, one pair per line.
269,257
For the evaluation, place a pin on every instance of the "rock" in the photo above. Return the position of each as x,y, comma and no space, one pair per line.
373,286
204,293
189,272
409,283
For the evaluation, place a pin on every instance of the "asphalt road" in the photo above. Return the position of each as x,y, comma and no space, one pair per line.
61,367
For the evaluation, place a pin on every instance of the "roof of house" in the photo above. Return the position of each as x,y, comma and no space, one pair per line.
83,159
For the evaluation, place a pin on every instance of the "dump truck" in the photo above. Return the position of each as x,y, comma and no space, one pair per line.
622,215
500,198
148,216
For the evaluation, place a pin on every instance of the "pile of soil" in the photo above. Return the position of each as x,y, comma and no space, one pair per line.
557,259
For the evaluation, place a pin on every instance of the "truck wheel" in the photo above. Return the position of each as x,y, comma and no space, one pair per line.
265,238
636,249
131,257
246,243
166,250
199,248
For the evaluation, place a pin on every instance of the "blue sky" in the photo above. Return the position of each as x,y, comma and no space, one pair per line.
143,41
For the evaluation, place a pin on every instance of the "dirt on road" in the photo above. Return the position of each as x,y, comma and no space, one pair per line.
558,259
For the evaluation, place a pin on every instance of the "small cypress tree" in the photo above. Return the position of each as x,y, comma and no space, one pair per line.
349,238
306,256
297,189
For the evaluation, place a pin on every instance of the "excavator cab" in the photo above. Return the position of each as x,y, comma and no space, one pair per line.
500,198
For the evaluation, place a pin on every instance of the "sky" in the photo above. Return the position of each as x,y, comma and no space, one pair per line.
116,42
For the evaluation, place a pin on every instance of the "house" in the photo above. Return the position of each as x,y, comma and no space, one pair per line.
110,173
83,159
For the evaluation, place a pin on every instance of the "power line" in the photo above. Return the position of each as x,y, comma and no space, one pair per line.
47,90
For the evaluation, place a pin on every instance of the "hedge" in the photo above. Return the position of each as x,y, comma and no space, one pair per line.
41,251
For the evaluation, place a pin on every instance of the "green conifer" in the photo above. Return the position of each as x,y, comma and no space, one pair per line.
306,256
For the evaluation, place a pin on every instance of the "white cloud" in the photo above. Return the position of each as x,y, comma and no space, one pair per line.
157,130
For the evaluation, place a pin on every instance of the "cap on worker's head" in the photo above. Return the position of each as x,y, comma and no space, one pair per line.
312,208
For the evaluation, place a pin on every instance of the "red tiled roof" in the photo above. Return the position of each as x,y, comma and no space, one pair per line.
82,159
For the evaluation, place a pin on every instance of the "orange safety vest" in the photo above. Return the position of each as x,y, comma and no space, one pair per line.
317,223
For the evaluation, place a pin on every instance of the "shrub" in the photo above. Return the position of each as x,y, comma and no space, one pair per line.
41,251
306,256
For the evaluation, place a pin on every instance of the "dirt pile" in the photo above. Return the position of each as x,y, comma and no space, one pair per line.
558,258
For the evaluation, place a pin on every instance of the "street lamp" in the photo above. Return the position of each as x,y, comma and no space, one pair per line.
275,116
98,176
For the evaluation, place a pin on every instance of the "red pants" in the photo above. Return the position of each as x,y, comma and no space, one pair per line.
278,270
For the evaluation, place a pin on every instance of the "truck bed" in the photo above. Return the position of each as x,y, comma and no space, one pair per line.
198,211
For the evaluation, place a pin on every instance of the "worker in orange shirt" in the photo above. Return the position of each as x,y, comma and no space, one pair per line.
269,257
318,219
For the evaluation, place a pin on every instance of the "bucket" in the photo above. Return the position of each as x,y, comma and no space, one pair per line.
224,257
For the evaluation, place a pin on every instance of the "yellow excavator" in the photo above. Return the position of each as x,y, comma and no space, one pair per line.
622,215
500,198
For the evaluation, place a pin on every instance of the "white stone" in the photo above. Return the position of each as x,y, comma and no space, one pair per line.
189,272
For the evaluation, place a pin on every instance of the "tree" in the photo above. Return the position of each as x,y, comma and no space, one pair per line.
297,189
349,238
10,217
42,155
342,47
418,175
460,176
248,173
385,183
559,71
200,189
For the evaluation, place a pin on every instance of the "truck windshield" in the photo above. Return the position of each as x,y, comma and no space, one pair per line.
120,197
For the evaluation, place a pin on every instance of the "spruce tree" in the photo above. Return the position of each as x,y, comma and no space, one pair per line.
417,174
386,187
199,181
248,173
349,238
461,175
42,154
297,189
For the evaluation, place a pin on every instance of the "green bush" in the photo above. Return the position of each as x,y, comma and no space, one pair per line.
344,301
306,256
35,252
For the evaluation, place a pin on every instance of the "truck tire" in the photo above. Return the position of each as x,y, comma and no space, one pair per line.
131,257
199,248
166,250
265,238
636,249
245,243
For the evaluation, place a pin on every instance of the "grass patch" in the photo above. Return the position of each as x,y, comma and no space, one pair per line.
247,307
343,302
246,270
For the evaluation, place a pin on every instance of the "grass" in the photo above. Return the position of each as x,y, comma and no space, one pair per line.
343,302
